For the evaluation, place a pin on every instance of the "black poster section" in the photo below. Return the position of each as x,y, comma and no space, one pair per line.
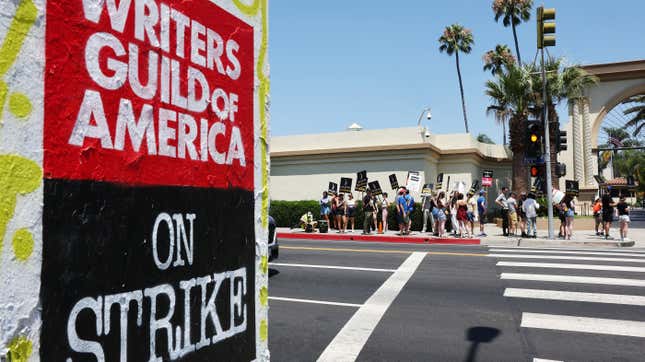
361,181
375,187
345,184
98,243
571,187
440,181
394,183
333,188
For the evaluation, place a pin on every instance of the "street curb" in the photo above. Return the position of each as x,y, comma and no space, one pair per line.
379,238
546,242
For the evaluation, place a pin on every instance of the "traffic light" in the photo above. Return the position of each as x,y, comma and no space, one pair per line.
560,169
534,139
560,140
545,27
535,171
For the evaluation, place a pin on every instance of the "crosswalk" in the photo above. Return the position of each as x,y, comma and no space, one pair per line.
575,291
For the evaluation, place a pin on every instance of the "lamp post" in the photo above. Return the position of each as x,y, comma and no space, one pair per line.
426,112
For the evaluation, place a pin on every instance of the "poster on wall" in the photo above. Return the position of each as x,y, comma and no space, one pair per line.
375,187
333,188
149,217
361,181
413,182
394,183
345,184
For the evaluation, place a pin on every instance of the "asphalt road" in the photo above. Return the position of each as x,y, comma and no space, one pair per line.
402,302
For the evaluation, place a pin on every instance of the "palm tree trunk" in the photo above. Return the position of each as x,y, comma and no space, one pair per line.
504,131
517,47
461,89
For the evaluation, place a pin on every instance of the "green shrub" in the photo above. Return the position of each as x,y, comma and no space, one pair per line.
288,213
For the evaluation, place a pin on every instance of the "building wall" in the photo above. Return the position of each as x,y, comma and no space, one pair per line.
305,177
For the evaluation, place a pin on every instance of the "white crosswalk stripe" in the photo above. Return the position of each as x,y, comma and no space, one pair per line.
606,253
575,296
560,257
586,270
633,269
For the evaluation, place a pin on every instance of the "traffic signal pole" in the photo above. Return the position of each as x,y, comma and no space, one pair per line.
547,151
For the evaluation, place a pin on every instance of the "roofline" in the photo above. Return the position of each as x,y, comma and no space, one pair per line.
418,146
632,69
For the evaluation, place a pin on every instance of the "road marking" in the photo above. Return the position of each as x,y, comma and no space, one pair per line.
525,256
545,360
617,327
567,252
333,267
349,342
575,296
635,269
312,301
573,279
380,251
615,250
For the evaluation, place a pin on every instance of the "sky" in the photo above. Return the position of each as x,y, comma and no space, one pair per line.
377,62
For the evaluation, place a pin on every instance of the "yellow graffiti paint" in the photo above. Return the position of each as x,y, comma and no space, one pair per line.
3,95
249,10
25,17
264,296
19,105
23,244
264,330
264,264
18,176
260,6
20,349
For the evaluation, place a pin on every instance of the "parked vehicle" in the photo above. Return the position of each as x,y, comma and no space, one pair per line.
274,248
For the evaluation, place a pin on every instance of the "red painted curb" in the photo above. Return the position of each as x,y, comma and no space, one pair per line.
377,238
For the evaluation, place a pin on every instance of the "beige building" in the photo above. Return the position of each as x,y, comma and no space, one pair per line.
303,165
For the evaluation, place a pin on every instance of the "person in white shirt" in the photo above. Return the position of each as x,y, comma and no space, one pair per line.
501,202
530,207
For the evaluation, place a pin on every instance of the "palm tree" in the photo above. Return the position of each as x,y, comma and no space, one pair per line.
638,111
511,97
563,83
455,39
513,12
498,59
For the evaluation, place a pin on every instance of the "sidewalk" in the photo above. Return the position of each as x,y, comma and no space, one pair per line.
586,238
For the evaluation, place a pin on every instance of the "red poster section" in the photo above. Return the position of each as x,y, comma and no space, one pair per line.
143,92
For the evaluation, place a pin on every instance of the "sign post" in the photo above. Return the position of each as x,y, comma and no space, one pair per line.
487,178
148,203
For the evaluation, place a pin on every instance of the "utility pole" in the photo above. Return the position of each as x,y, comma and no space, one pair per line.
544,41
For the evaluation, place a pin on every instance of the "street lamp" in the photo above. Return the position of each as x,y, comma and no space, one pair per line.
426,112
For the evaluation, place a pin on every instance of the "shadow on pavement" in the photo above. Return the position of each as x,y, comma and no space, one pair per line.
273,272
477,335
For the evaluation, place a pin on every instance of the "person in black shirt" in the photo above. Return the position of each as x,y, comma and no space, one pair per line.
623,217
368,208
607,212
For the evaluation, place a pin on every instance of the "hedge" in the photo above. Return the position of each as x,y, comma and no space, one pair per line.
288,213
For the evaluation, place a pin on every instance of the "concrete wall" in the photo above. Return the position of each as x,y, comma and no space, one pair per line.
305,177
27,267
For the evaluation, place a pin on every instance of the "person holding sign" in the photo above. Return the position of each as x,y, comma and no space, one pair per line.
325,207
385,204
341,207
368,209
351,210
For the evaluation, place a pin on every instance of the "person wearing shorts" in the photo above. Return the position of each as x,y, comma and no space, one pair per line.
481,210
623,217
597,215
325,207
